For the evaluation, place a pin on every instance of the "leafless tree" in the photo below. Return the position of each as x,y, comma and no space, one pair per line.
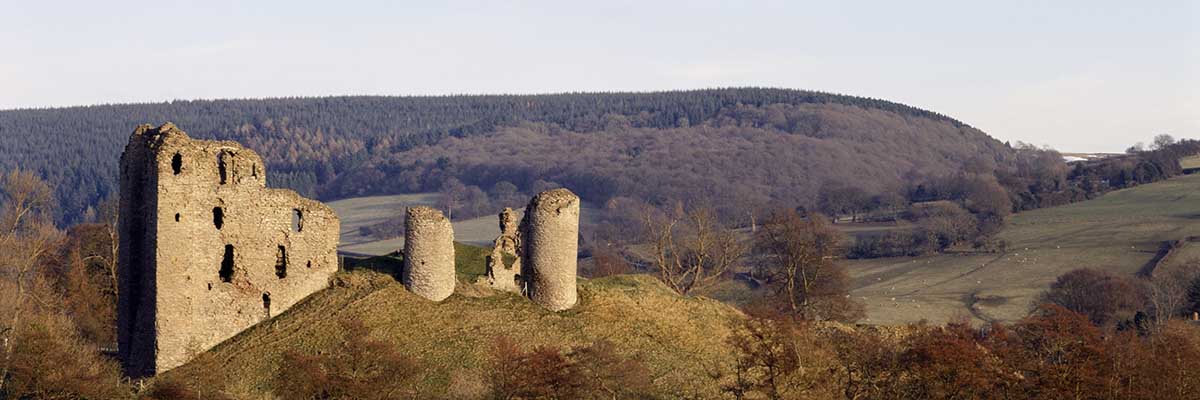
691,248
798,254
26,235
1167,294
1162,141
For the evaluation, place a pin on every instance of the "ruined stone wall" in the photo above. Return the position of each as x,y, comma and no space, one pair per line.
428,254
206,249
501,274
550,234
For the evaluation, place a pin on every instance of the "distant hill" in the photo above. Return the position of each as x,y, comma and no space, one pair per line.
730,146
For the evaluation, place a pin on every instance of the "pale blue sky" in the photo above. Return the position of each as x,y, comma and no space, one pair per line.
1075,75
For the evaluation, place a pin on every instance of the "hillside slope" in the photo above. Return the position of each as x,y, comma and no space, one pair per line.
1119,232
339,147
680,340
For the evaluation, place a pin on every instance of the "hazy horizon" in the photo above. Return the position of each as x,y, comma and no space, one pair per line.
1081,77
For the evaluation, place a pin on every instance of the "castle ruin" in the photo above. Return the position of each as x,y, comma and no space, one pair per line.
428,254
550,239
206,249
502,274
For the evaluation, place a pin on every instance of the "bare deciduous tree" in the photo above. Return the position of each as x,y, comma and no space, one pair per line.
1168,295
26,235
691,248
798,256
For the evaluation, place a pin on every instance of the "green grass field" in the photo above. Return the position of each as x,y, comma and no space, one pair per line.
1119,232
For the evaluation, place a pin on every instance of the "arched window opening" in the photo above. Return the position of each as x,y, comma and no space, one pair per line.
281,262
177,163
226,272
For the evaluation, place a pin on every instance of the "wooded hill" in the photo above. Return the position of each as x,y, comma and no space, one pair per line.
756,146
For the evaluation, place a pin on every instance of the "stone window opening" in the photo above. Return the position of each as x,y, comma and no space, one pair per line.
218,217
266,297
226,272
176,217
177,163
281,262
297,220
308,264
254,170
222,169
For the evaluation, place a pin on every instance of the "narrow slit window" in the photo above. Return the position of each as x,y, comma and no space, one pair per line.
222,167
218,217
226,272
177,163
297,220
266,297
281,262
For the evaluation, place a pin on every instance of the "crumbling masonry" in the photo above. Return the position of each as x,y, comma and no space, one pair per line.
206,250
550,236
428,254
503,275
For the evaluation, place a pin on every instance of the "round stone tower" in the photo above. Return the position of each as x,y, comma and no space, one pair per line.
428,254
550,236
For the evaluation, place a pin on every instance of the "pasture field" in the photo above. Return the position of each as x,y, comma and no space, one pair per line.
1191,162
1120,232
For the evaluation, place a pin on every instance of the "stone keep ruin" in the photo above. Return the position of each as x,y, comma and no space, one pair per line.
206,249
544,249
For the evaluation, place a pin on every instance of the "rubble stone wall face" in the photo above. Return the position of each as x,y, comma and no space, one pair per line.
500,274
550,234
207,250
428,254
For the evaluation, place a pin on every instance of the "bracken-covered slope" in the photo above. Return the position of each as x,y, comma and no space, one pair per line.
779,144
680,340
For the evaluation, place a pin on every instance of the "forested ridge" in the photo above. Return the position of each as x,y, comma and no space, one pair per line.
334,147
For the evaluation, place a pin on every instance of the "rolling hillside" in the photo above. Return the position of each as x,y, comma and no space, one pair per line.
771,147
1120,232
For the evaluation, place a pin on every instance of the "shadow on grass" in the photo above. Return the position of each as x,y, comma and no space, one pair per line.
390,264
470,262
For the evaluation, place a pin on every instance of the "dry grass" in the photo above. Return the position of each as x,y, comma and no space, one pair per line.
679,339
